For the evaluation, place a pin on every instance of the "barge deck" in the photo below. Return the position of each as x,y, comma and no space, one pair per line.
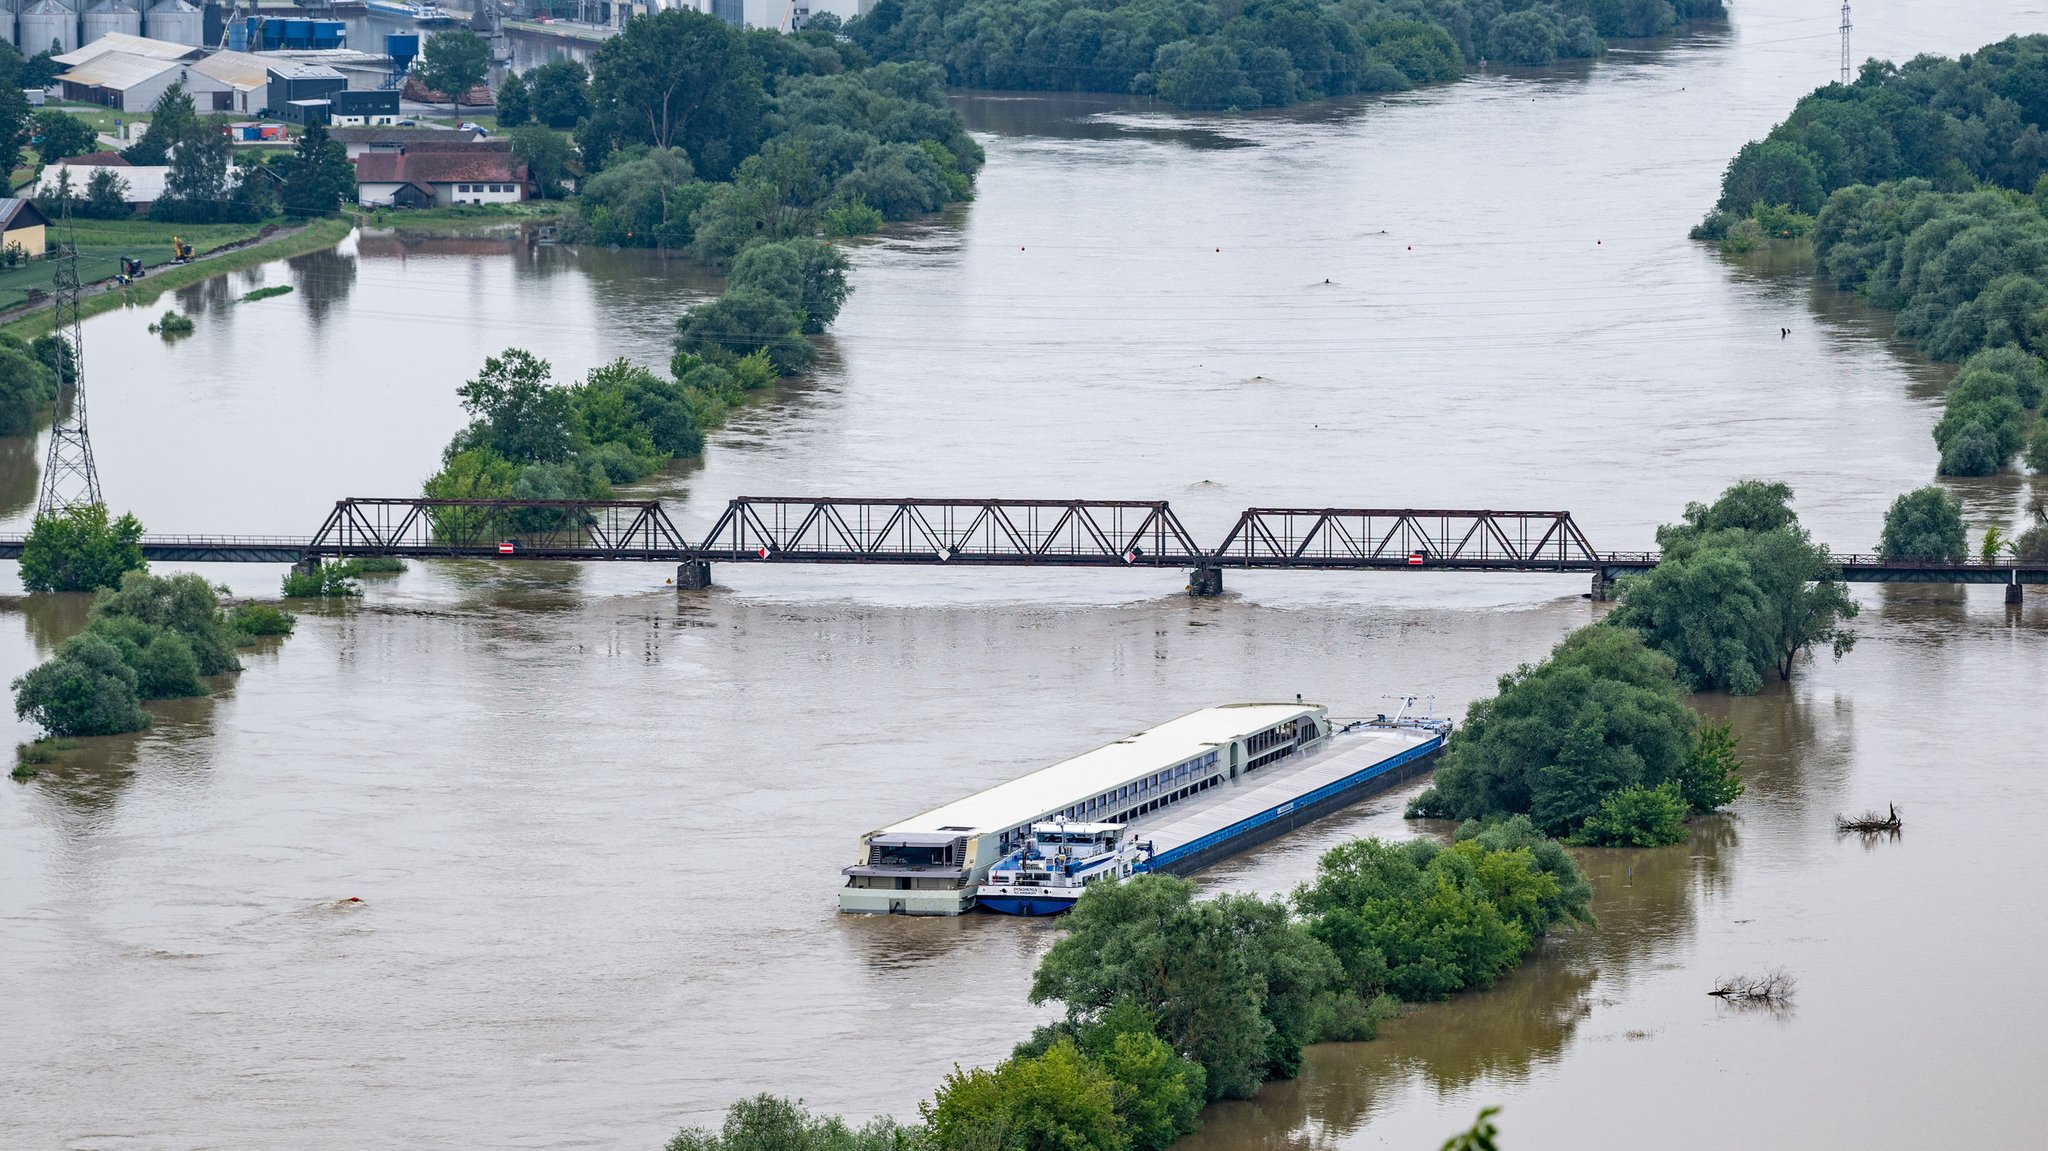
1259,808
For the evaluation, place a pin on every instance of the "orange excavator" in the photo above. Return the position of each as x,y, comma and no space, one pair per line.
180,250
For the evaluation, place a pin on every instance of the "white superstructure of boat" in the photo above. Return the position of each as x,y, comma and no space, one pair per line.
933,863
1056,863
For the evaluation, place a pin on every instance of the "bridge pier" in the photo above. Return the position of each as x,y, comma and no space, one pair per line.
693,575
307,566
1603,587
1205,582
2014,593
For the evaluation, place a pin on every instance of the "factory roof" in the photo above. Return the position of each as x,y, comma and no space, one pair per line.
128,45
236,69
119,71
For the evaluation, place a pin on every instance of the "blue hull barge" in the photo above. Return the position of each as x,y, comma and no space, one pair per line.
934,864
1369,758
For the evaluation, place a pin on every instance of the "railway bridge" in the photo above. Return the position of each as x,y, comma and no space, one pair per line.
990,533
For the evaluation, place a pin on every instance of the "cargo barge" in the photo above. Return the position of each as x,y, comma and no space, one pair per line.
1190,792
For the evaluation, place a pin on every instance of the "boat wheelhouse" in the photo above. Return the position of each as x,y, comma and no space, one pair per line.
932,864
1057,861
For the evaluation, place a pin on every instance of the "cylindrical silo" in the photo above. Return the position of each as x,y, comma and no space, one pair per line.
48,24
7,23
177,22
112,16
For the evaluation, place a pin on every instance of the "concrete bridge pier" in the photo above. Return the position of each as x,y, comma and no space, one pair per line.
1205,582
308,566
693,575
1603,587
2014,592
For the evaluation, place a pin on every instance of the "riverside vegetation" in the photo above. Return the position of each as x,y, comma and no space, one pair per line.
1267,53
153,637
1923,188
1172,1002
692,135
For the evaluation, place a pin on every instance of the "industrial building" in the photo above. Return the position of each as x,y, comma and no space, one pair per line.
244,80
130,83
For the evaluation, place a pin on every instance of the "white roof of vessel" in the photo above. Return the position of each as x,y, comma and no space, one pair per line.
1073,780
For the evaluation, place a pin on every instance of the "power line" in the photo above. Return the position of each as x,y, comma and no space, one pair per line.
1845,41
69,478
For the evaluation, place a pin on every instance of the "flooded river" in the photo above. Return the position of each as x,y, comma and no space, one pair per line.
595,824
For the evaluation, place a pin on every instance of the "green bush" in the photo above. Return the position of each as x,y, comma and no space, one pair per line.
766,1123
28,385
328,579
852,218
1421,921
86,689
1601,714
173,325
1638,817
261,619
380,565
1235,983
1740,589
1925,525
77,549
1058,1101
268,293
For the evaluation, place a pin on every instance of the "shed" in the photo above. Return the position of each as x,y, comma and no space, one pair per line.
145,181
246,78
133,83
363,107
292,80
21,222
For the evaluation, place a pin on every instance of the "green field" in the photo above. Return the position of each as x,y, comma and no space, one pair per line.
102,243
101,119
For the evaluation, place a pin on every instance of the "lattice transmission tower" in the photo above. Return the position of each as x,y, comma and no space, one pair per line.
1845,42
69,478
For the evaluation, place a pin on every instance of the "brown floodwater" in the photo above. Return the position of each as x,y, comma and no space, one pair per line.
595,825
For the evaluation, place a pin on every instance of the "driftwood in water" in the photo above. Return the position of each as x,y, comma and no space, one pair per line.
1870,822
1773,988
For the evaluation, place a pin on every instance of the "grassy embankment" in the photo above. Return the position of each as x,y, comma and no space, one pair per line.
460,217
147,238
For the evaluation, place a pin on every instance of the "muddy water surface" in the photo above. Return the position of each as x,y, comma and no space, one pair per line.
595,826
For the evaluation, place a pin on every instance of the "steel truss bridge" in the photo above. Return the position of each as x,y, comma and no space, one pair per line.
997,533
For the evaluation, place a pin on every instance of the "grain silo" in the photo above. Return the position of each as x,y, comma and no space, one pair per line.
48,24
112,16
177,22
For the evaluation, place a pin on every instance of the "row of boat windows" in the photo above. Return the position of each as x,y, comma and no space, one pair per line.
1144,787
1096,810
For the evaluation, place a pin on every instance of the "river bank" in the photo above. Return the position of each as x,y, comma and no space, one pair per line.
103,296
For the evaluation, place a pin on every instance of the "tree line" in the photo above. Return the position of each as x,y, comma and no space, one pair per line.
1923,188
1265,53
692,135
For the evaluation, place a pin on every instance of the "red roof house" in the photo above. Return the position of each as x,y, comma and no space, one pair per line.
466,177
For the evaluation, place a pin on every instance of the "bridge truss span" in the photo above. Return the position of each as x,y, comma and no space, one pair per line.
569,529
1072,533
1365,538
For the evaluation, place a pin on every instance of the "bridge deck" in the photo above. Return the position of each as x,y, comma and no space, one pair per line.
983,533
